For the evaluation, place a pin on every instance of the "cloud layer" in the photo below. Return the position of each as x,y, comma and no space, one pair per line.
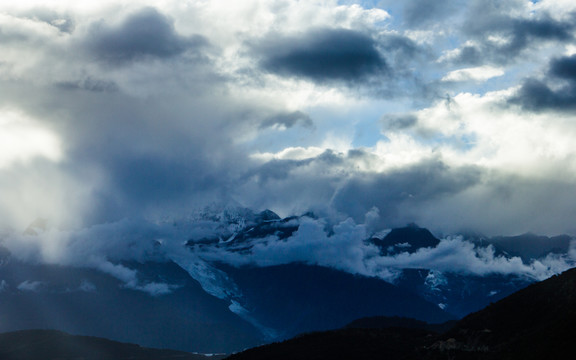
452,117
222,236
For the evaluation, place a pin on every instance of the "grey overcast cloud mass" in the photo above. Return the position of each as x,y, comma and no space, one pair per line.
456,115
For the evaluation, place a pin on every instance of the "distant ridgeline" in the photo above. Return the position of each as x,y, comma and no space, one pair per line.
52,344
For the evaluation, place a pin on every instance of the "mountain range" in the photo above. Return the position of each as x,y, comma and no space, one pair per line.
223,280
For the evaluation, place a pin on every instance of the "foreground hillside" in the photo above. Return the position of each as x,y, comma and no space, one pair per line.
538,322
535,323
51,345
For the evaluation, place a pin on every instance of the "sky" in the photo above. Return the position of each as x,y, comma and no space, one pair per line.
456,115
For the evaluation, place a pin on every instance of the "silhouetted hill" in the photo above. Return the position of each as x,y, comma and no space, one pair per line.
51,344
349,344
384,322
538,322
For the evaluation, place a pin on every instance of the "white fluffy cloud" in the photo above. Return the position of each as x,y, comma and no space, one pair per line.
22,139
481,73
345,248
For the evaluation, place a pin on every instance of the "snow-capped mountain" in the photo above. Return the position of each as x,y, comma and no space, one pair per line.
459,274
225,278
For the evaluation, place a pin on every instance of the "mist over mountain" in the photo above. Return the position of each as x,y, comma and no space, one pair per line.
89,302
227,278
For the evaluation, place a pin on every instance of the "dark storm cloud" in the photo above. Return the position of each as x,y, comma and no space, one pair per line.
323,55
518,34
297,186
89,84
318,167
166,152
564,68
144,34
489,19
398,194
399,121
519,30
155,177
399,50
288,120
537,95
149,184
421,13
151,157
331,182
276,170
472,55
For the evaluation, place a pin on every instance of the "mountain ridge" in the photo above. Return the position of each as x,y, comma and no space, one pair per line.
534,323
